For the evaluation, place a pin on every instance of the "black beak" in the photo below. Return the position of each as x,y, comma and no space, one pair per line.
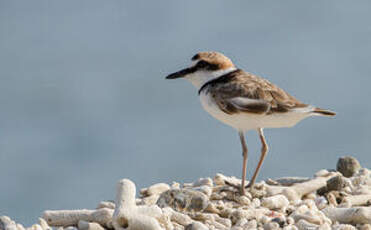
181,73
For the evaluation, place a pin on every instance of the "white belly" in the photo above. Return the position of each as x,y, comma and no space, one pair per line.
249,121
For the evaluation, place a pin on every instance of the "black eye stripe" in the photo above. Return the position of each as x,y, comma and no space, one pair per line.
206,65
213,67
202,64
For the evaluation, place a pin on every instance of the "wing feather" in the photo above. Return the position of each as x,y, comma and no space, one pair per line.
240,91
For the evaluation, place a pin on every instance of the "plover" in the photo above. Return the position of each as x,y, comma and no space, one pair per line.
243,101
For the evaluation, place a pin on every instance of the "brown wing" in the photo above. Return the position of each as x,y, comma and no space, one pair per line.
240,91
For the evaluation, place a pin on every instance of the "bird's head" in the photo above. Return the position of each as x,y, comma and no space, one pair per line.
205,66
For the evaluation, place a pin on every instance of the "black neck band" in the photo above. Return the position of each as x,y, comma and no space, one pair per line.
214,80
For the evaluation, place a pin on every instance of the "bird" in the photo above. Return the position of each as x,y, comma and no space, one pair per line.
244,101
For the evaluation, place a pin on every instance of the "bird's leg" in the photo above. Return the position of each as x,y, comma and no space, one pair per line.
244,164
264,151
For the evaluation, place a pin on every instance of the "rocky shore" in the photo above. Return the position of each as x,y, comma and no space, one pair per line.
331,199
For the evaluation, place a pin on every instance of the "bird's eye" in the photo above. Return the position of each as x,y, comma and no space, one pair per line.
202,64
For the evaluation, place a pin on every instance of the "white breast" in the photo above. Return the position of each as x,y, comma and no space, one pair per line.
199,78
248,121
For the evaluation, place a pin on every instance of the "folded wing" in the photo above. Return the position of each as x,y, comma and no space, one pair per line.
244,92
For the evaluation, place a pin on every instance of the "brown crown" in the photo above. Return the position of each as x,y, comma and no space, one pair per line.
214,58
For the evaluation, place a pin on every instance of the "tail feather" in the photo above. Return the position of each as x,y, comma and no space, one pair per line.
323,112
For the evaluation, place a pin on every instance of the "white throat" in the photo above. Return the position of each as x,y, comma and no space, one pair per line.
199,78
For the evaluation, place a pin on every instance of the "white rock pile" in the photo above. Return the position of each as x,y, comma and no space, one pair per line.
333,199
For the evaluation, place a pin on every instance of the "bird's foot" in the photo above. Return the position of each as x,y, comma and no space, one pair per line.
237,186
250,185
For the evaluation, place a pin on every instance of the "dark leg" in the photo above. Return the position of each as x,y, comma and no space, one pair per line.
264,151
244,164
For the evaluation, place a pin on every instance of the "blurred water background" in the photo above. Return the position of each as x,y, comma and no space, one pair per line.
84,101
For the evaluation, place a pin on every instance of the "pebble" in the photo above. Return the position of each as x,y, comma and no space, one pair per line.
355,215
344,227
150,200
290,227
241,222
178,226
321,202
365,227
310,204
196,226
348,166
281,220
219,179
291,195
177,217
7,224
331,199
310,196
20,227
235,196
215,203
255,203
207,190
44,225
305,225
157,189
175,185
324,226
84,225
322,173
71,228
264,219
288,181
275,202
271,226
106,204
251,224
307,217
336,183
203,182
238,215
290,220
243,200
183,200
